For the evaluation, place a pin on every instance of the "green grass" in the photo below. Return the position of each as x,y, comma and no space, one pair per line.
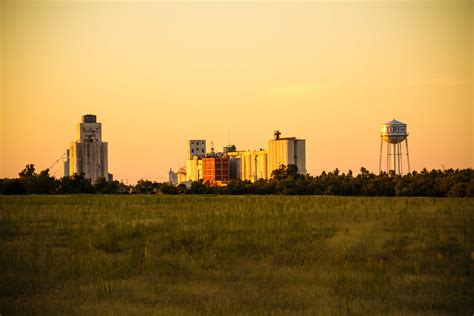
94,254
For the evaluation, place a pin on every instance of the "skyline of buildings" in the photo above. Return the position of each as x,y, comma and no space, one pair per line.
218,168
88,155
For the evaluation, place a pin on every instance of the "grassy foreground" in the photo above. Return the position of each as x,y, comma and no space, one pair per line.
95,254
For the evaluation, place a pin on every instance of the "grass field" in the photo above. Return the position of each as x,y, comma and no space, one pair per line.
95,254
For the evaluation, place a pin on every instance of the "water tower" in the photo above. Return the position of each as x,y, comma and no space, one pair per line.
394,133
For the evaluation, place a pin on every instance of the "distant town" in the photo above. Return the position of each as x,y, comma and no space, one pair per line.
88,155
278,169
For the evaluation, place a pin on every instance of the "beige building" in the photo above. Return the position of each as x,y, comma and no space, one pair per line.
196,147
194,169
235,163
181,175
196,150
286,151
249,165
89,154
254,165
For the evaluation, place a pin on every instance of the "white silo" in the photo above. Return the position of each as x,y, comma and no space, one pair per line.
394,133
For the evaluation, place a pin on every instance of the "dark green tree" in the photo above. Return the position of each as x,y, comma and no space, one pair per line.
77,183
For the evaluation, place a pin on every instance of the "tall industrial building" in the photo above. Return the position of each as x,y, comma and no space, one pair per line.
195,152
248,165
196,147
286,151
216,169
181,175
88,154
194,169
254,165
67,163
172,177
235,164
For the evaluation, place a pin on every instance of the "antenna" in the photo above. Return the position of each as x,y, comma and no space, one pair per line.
276,134
229,137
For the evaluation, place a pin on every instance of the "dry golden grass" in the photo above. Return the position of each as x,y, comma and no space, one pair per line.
94,254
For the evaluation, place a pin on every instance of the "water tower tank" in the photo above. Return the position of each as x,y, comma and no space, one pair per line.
394,132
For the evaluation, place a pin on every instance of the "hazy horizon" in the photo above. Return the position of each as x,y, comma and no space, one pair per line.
158,74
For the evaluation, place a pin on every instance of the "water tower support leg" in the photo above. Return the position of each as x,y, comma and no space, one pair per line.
398,160
388,158
400,157
408,156
394,159
380,157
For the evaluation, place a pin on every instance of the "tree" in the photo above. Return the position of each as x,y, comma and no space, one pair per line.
28,172
77,183
14,187
459,190
199,187
103,186
34,183
146,187
167,188
285,173
181,188
100,185
43,183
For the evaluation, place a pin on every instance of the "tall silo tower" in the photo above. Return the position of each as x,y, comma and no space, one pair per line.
394,133
89,154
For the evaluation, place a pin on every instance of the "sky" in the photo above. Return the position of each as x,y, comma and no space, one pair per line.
159,73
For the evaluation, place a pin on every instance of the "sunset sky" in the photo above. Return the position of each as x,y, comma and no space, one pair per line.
157,74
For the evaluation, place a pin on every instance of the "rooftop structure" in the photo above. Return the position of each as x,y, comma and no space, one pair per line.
196,147
89,118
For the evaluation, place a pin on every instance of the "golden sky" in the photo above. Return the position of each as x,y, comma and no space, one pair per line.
157,74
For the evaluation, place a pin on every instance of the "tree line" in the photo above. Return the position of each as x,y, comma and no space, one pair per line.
30,182
285,180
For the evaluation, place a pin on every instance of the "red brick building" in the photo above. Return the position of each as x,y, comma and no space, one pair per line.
216,170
